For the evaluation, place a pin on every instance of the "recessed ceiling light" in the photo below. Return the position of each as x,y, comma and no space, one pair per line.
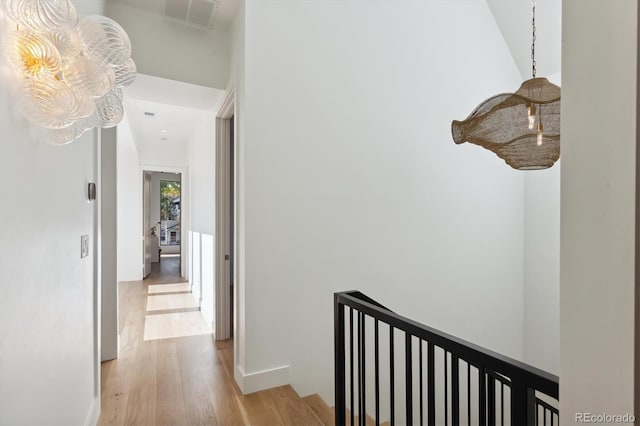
163,130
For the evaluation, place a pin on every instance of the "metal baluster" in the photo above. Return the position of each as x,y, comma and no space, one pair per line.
351,362
391,376
431,386
446,387
468,393
482,397
408,370
377,373
340,374
491,400
360,369
455,391
363,394
421,396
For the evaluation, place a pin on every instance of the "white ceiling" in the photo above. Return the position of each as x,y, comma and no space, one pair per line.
171,92
514,20
225,9
176,107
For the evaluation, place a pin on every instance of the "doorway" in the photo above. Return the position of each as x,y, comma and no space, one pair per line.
226,213
162,225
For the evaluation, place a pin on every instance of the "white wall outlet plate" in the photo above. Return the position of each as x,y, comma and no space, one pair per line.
84,246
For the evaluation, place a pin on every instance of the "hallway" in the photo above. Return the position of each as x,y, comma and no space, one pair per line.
182,380
165,271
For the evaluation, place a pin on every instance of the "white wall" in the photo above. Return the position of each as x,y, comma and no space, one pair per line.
542,269
201,154
172,50
107,193
129,206
196,278
207,273
202,177
351,178
49,331
598,193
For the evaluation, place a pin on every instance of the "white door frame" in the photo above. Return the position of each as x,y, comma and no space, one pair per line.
223,271
146,223
184,210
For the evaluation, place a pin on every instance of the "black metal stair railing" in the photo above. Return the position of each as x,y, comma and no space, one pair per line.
446,380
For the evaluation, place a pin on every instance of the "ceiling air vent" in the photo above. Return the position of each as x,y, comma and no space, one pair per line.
149,114
197,13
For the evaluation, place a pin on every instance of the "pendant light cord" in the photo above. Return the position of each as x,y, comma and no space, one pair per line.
533,40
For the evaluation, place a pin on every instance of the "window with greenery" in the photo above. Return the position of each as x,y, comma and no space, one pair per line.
169,213
169,200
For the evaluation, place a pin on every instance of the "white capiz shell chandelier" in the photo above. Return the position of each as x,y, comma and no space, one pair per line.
70,70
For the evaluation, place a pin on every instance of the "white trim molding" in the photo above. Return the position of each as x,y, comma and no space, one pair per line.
261,380
94,413
223,272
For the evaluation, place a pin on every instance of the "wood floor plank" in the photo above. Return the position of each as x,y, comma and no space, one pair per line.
260,409
141,401
289,406
320,409
170,407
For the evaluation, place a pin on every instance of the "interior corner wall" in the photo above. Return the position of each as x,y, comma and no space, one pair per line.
129,206
598,192
352,180
49,323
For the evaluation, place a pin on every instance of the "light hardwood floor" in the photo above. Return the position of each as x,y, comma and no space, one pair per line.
186,380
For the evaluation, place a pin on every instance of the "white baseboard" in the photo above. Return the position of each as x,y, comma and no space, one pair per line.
94,413
261,380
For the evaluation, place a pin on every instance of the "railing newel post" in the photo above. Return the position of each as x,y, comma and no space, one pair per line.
339,361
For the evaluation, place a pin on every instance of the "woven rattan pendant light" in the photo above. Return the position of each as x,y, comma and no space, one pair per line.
522,128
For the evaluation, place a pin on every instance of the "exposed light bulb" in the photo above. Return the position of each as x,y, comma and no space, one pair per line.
539,140
35,56
531,111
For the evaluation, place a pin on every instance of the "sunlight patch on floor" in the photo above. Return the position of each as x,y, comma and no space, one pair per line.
168,288
171,301
167,326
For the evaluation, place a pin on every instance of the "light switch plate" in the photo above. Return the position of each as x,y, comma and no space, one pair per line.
84,246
